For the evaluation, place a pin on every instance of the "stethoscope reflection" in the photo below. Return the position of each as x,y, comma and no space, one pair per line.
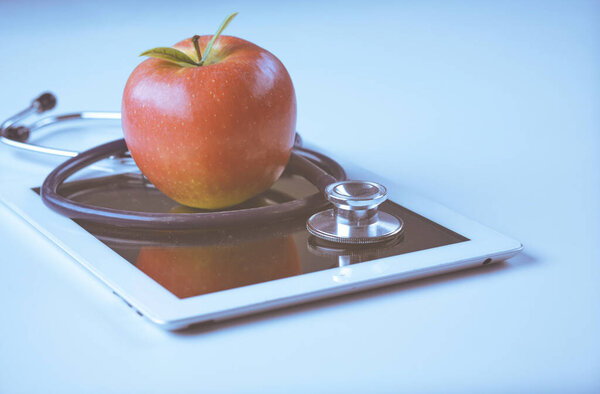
347,255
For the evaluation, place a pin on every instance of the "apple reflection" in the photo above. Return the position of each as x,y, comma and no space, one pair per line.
191,271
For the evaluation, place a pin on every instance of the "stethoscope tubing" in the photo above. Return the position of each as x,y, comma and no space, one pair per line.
302,162
53,120
315,167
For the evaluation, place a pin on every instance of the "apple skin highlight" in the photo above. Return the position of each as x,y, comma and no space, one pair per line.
215,135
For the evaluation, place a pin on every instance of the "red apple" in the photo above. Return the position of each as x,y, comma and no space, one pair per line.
210,131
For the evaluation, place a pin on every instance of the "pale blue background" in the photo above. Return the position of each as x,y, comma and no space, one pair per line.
492,108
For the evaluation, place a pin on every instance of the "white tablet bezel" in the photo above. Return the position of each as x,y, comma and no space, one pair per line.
160,306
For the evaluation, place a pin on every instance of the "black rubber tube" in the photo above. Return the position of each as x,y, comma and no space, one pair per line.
315,167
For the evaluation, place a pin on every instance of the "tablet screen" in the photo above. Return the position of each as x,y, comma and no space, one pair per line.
191,263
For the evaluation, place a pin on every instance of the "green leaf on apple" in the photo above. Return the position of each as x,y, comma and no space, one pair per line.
217,34
172,55
178,57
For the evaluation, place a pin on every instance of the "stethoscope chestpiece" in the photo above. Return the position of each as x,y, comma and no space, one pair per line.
355,218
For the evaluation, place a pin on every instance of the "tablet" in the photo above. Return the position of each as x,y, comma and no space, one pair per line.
178,278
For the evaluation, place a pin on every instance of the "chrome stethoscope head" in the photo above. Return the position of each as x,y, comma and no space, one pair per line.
355,217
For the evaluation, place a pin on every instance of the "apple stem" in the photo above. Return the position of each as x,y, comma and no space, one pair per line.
197,47
214,38
181,58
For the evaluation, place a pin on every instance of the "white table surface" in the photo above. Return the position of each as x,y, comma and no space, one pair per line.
492,109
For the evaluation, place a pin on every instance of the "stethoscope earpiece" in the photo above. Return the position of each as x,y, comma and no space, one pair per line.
44,102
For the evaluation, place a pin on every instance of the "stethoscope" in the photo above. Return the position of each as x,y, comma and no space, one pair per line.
354,218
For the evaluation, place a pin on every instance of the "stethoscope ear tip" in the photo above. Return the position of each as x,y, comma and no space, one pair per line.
19,133
44,102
